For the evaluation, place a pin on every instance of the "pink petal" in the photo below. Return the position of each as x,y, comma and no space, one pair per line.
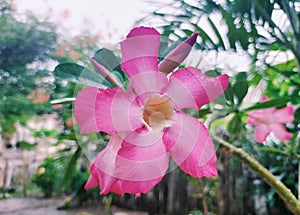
190,88
283,115
140,51
140,161
125,168
144,137
148,83
261,132
251,118
103,167
99,110
191,146
177,55
84,109
260,116
280,132
264,99
106,74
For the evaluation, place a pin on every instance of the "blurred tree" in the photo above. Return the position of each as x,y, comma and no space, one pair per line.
25,47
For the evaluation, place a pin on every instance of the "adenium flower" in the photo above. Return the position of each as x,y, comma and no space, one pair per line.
145,121
271,120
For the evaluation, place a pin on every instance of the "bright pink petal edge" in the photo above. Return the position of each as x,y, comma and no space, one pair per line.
140,51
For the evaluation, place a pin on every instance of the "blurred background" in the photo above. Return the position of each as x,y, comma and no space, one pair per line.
44,163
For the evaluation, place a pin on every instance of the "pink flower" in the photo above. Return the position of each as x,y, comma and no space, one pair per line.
271,120
145,122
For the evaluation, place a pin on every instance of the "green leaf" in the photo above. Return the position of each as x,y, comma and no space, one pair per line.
204,112
277,103
240,88
229,93
234,124
272,149
241,76
25,145
217,33
205,37
213,73
118,76
71,166
107,59
62,101
80,75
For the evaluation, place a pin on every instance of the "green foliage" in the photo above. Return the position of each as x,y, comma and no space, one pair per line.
246,24
277,102
252,28
80,75
240,87
108,59
46,176
22,43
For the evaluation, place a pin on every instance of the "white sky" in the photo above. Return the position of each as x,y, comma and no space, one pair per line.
105,15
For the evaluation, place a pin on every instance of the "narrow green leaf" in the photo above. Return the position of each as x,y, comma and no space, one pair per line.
25,145
229,94
62,101
231,34
71,166
217,33
272,149
204,112
205,37
277,103
80,75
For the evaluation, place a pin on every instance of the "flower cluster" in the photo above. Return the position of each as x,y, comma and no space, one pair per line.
146,121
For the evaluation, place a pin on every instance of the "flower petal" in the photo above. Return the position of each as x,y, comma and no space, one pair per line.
261,132
177,55
84,109
144,137
140,161
148,82
128,169
106,73
191,146
103,168
280,132
140,51
190,88
99,110
283,115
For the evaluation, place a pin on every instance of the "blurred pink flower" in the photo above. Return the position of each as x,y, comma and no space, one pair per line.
60,52
271,120
74,55
145,122
66,14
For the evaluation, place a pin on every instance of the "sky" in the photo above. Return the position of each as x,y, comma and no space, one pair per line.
115,16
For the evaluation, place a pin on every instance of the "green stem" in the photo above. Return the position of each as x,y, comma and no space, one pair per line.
298,181
285,194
